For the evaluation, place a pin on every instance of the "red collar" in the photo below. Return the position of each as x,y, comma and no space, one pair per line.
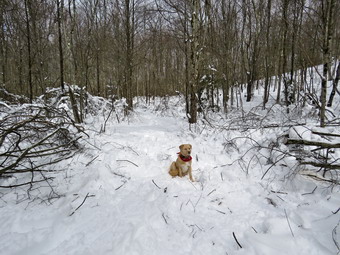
185,159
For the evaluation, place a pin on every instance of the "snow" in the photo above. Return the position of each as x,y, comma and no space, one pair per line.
116,196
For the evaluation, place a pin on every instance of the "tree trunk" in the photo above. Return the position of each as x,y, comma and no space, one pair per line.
3,54
292,92
284,52
326,57
60,6
195,58
186,61
335,86
28,36
74,106
128,54
267,65
73,37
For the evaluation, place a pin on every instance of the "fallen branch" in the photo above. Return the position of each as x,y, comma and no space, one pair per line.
313,143
319,178
23,154
321,165
245,128
325,134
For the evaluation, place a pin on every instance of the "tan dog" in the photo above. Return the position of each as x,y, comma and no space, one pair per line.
182,166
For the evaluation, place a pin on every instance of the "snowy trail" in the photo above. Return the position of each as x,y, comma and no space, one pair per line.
135,207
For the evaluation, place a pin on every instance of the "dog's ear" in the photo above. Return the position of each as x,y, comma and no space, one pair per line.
190,146
181,146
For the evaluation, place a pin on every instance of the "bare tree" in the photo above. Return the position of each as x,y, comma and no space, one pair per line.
267,52
162,47
335,86
3,46
327,36
129,15
195,59
29,50
60,6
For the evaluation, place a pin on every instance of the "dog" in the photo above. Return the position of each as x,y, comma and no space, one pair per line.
182,166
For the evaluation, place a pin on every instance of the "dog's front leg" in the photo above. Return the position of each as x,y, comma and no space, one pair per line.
190,174
180,173
179,168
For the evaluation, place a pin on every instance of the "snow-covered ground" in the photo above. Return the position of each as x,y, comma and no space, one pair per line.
117,197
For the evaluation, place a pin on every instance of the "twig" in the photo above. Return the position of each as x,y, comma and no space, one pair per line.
87,195
164,218
49,184
274,164
92,160
221,212
211,192
280,198
291,231
120,186
237,241
122,160
271,201
192,184
105,122
310,192
334,237
197,202
336,211
279,192
92,145
126,147
120,175
156,184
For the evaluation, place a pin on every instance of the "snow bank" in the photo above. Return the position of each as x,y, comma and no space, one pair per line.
117,198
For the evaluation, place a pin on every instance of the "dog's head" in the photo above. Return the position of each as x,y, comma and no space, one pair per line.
185,149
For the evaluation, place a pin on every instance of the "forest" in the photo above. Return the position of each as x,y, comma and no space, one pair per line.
155,48
96,97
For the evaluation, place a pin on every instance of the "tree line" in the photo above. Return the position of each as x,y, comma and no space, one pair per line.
152,48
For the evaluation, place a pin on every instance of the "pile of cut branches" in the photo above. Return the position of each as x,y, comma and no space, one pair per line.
33,138
318,149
